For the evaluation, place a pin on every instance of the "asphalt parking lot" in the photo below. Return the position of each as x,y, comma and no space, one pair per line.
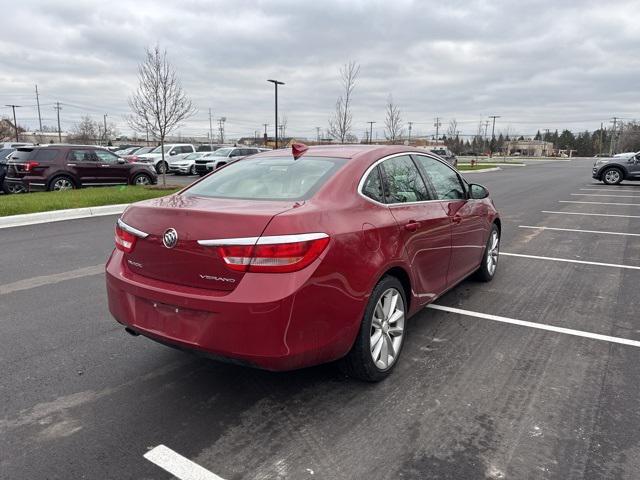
534,375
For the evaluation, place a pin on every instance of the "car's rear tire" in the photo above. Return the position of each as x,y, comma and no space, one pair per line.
141,179
9,189
162,167
489,263
612,176
60,183
380,339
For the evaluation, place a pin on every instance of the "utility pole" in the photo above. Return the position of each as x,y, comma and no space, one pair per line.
58,108
437,124
613,135
410,125
38,102
493,133
105,129
210,132
318,134
15,123
370,131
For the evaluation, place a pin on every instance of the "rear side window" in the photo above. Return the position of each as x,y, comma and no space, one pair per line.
403,181
46,155
83,156
268,178
372,186
444,179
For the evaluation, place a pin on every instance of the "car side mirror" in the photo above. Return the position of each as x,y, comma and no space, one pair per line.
172,153
122,160
477,192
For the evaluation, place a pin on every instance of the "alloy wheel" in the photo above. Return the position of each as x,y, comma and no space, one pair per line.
62,184
612,176
493,253
141,180
387,329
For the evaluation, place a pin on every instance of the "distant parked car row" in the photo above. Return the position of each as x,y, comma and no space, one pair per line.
64,167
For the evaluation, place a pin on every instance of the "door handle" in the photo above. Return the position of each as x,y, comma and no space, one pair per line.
456,219
412,226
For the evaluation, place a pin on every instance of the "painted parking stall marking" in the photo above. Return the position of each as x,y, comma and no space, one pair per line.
568,260
591,214
539,326
580,231
601,203
603,195
177,465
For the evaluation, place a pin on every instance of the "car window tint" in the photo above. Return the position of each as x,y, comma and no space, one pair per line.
403,181
268,178
46,155
106,157
445,180
372,186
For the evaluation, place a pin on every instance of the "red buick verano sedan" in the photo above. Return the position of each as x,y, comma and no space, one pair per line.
288,259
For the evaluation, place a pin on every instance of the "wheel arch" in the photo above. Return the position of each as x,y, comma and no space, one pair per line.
404,278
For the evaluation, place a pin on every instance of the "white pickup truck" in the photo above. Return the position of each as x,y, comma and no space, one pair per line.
172,152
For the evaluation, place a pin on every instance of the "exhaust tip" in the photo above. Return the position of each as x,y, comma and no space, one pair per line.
131,332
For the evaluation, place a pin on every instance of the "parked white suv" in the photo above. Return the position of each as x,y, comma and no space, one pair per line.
222,156
172,152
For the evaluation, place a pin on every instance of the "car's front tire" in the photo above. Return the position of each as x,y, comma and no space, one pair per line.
489,263
141,179
192,171
381,336
612,176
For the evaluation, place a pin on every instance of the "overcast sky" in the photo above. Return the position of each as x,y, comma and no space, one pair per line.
537,64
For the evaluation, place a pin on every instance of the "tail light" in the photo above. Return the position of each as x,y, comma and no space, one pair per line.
280,254
126,236
29,166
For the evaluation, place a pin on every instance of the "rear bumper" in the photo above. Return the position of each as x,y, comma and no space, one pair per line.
271,321
30,185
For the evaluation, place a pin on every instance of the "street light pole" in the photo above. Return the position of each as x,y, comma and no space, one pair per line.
276,83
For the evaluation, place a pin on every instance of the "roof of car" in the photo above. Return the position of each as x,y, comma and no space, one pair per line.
346,151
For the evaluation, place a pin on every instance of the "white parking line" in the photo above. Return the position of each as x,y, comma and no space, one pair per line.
581,231
539,326
42,280
604,195
600,203
592,214
177,465
602,189
568,260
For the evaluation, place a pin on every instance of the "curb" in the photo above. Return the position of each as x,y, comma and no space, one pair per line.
60,215
484,170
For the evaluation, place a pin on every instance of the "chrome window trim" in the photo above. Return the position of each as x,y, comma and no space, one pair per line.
378,162
132,230
267,240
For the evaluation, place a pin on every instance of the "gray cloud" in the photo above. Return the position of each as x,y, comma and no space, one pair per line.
538,64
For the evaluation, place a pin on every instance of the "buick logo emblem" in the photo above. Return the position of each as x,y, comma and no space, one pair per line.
170,238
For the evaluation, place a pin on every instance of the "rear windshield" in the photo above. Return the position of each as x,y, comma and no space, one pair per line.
268,178
21,155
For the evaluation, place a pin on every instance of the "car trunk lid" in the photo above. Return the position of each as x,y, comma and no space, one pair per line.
194,218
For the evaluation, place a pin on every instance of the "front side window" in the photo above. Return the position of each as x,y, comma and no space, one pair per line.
403,181
445,180
268,179
106,157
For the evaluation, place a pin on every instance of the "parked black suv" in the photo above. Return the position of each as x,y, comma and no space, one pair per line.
61,167
615,169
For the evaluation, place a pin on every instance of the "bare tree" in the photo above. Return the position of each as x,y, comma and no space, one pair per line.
159,105
84,132
393,126
340,122
282,123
